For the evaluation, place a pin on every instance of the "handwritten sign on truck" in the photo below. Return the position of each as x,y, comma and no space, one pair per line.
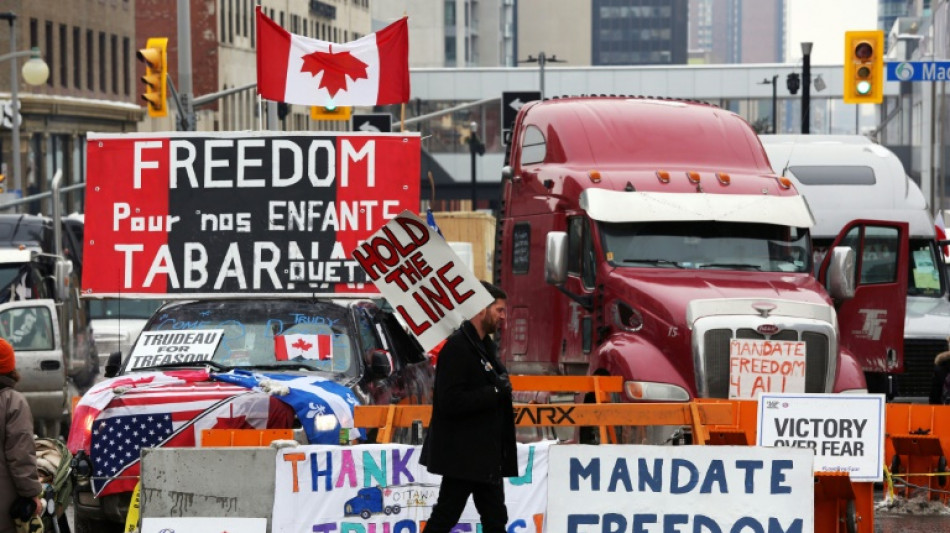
196,214
424,280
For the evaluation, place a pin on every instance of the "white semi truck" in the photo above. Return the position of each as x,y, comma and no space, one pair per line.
848,177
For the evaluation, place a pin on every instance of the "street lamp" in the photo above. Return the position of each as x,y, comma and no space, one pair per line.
774,83
806,87
542,60
35,72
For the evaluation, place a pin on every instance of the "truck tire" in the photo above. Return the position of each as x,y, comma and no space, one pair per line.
365,514
88,525
396,509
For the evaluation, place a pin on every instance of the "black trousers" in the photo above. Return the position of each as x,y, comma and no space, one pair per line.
489,499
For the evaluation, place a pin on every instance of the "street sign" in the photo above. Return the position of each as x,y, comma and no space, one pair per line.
511,103
918,71
373,123
9,114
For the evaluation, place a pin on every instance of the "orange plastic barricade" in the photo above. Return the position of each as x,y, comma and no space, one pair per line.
917,438
841,506
601,386
243,437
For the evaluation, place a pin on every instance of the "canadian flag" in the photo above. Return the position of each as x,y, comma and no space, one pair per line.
372,70
316,347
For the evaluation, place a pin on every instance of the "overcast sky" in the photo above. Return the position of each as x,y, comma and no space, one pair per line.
823,22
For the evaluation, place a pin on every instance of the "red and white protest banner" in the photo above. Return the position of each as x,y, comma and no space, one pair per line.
422,277
188,214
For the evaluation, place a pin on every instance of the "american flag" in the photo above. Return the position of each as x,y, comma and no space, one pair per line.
171,416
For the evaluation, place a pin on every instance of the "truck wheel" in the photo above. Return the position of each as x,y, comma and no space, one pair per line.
396,509
88,525
387,510
365,514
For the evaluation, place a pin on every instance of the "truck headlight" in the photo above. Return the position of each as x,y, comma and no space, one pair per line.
653,391
626,317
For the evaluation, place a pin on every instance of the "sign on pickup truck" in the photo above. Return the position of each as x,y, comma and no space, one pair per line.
250,212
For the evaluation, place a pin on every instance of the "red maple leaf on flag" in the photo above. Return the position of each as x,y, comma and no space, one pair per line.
335,68
302,345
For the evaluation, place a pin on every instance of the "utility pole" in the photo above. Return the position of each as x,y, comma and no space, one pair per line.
187,91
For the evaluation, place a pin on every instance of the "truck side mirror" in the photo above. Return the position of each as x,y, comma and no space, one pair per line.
380,364
841,273
63,269
113,364
555,258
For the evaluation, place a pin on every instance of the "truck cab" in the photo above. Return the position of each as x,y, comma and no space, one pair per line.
43,317
845,177
651,239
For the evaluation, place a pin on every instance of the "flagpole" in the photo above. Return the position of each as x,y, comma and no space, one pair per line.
402,119
260,113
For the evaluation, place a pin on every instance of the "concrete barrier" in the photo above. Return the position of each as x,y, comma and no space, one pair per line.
208,482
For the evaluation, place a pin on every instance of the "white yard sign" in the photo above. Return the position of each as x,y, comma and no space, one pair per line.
174,346
765,366
846,431
655,489
218,524
422,277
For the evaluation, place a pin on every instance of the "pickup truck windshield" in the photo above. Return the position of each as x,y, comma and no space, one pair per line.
707,245
268,334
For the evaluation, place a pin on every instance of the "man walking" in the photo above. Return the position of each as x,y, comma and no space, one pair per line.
471,436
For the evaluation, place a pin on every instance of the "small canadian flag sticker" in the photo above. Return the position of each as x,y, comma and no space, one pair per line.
312,347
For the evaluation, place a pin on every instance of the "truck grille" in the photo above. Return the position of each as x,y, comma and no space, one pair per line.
716,357
918,367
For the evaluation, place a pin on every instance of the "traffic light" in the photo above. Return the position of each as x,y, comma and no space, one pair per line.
3,179
330,112
864,67
793,82
155,57
283,109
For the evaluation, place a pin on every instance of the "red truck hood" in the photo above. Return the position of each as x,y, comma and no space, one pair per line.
665,293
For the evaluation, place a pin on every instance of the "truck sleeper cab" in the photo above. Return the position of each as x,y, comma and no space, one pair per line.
350,342
650,239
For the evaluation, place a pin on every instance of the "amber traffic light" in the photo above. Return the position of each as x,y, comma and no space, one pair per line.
155,57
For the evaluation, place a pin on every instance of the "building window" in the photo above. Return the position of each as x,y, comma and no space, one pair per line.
77,58
63,55
49,50
114,64
245,17
126,60
90,79
224,24
34,33
102,61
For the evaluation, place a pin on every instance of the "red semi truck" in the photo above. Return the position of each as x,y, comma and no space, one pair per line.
651,239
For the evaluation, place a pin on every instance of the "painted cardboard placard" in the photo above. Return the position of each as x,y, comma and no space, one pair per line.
679,488
757,365
155,348
422,277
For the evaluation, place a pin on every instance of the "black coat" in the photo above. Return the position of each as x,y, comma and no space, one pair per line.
472,431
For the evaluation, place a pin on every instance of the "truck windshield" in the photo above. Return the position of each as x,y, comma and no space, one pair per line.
707,245
925,268
267,334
